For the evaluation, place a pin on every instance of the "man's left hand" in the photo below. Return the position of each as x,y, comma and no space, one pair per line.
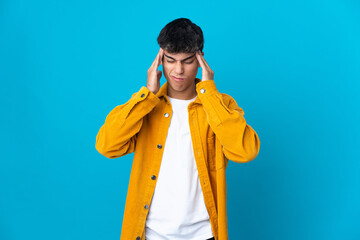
207,73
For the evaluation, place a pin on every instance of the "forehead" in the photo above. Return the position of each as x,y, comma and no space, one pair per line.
178,56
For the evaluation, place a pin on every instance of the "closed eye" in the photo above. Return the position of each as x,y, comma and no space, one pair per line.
184,62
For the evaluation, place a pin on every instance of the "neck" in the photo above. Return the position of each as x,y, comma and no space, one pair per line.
186,94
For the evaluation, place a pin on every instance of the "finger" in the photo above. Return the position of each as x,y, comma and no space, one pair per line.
159,59
156,60
200,60
203,59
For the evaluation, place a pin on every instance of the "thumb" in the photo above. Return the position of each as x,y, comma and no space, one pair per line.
159,74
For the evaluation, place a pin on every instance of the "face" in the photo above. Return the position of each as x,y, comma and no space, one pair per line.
180,70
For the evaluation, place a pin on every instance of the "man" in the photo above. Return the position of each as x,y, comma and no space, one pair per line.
183,134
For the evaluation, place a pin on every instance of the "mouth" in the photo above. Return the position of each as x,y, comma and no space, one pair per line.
177,79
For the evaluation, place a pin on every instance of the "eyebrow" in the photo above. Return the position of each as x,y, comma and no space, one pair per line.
181,60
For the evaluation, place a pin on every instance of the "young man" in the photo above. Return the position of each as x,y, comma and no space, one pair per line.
183,134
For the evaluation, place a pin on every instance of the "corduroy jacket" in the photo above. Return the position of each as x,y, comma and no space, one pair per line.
219,133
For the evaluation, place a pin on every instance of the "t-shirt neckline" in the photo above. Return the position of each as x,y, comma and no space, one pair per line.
182,100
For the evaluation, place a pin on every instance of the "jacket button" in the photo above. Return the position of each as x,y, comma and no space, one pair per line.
143,95
153,177
159,146
137,238
202,90
146,206
166,115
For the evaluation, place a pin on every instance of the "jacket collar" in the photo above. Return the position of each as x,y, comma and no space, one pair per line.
163,91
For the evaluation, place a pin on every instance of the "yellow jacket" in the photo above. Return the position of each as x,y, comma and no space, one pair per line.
218,130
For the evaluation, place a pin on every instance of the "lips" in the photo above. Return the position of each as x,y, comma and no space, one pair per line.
178,79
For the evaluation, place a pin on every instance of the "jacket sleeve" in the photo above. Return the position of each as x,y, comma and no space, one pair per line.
117,136
240,142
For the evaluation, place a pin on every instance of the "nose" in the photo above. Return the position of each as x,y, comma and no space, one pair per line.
179,68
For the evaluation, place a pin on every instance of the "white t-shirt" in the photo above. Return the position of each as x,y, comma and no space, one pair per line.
177,210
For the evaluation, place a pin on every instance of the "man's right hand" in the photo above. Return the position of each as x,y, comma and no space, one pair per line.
153,75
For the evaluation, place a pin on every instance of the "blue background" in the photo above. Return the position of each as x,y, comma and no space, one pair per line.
293,66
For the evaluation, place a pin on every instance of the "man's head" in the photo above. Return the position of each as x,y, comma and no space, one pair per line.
181,36
180,39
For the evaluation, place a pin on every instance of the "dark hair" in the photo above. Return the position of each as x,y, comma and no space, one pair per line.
181,35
